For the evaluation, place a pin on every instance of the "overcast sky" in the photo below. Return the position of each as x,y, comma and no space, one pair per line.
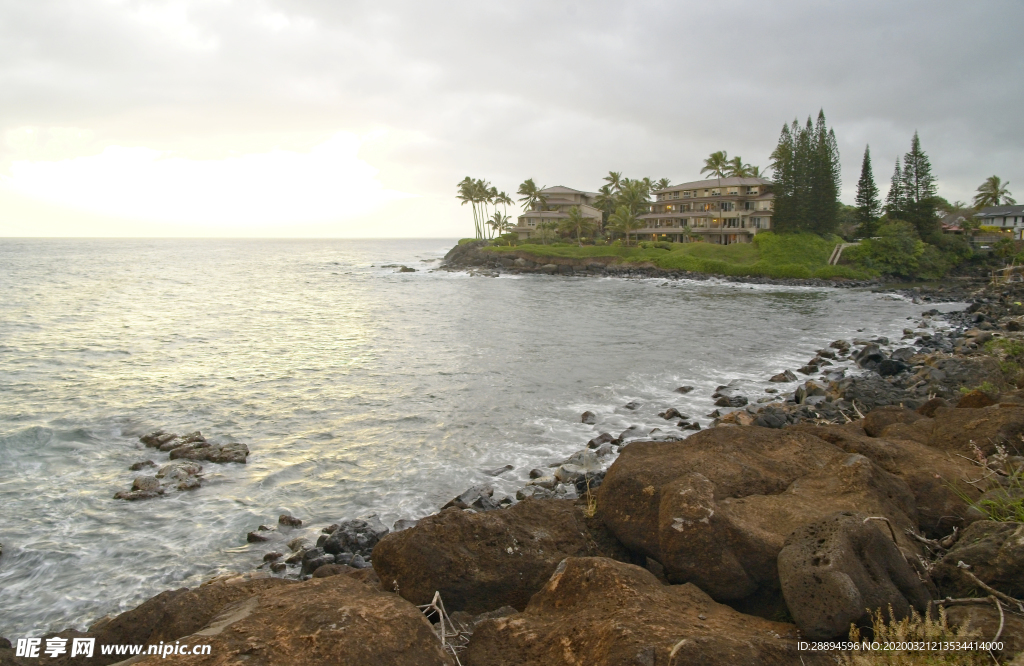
357,119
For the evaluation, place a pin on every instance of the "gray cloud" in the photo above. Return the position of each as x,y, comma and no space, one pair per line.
557,90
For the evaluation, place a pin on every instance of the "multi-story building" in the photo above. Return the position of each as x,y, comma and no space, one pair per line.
1010,218
558,201
720,210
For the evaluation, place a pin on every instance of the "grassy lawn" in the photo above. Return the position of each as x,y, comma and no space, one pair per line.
770,255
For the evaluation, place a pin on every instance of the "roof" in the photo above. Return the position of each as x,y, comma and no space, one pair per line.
731,181
1000,211
561,189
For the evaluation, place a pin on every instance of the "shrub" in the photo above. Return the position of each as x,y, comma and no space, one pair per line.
914,629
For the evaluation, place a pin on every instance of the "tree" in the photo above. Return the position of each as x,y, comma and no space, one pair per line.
614,179
662,184
897,250
605,201
868,204
576,223
895,201
993,192
499,222
807,177
717,164
919,192
635,194
546,231
624,221
531,195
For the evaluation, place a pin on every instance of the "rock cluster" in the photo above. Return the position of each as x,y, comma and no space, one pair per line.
185,474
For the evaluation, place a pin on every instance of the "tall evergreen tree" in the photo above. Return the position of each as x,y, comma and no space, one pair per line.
919,192
868,204
806,173
895,201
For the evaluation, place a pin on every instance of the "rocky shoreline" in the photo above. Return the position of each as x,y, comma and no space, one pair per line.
854,482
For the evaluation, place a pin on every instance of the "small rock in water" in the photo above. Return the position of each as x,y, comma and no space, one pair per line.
534,492
142,464
633,405
538,473
357,536
271,556
478,498
590,418
598,441
784,376
670,413
278,567
256,537
299,544
497,471
684,389
146,483
289,521
632,432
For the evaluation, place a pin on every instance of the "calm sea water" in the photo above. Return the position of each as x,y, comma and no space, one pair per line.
357,388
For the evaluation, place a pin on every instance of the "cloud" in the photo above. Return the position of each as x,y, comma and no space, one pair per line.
276,188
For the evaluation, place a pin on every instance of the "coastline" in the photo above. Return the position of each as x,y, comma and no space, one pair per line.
602,543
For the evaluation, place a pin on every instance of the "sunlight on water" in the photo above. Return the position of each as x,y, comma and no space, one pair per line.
357,388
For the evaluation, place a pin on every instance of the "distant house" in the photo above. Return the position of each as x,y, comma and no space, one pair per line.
558,202
953,223
720,210
1010,218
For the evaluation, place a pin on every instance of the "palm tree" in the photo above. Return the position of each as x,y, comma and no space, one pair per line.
736,167
717,164
499,222
993,192
467,195
755,172
614,179
531,195
662,184
635,194
605,201
546,230
624,220
576,222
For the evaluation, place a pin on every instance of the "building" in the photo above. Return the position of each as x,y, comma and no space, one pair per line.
558,202
1010,218
720,210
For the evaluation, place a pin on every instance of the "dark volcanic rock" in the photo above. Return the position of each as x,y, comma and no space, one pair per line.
784,376
142,464
878,419
590,418
235,452
833,570
482,561
599,612
478,498
684,389
995,553
289,521
975,400
357,536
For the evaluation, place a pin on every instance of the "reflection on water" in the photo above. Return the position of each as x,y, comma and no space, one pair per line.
357,389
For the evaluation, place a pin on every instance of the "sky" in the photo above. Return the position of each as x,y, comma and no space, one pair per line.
338,118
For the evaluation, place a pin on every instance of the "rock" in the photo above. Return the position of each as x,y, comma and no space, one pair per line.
142,464
634,405
146,484
482,561
478,498
535,492
156,438
315,558
357,536
869,357
538,473
684,389
737,418
590,418
928,408
406,269
976,399
594,443
179,471
1013,325
272,556
955,430
837,569
335,620
889,367
568,473
596,611
839,344
403,524
784,376
256,536
670,413
235,452
878,419
498,471
289,521
983,620
134,495
278,567
605,449
733,401
827,353
769,419
299,544
808,369
903,354
548,482
995,553
691,426
632,432
550,269
922,467
715,508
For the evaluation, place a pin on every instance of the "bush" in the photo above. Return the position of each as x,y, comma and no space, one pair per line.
897,250
914,629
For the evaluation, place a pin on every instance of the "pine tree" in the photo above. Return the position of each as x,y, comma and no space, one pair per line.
895,201
805,167
919,192
868,204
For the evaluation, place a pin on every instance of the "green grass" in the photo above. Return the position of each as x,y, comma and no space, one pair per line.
770,255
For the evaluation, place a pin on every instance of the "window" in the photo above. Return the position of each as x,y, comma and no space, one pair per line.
752,190
686,194
734,190
717,192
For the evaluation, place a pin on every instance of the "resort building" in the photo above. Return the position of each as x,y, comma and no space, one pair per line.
1010,218
720,210
558,201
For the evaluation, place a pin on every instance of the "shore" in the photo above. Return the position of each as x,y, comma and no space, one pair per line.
707,550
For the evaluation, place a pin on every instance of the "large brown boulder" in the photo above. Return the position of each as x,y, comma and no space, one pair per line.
837,570
927,471
335,620
955,430
983,621
599,612
881,417
483,561
995,553
716,508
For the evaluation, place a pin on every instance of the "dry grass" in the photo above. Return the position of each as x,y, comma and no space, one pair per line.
910,630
